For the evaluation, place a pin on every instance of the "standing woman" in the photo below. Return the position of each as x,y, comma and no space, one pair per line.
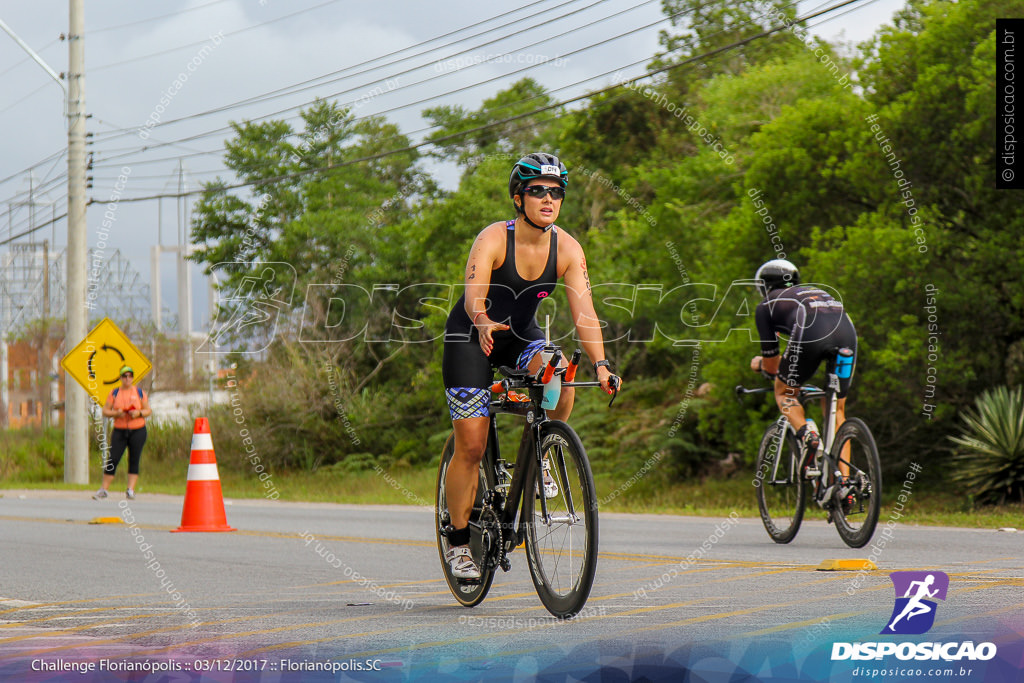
129,406
513,265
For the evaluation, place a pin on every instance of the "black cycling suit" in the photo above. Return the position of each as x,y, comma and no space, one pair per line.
467,371
816,325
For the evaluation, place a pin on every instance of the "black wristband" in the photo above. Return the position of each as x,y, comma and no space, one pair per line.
604,363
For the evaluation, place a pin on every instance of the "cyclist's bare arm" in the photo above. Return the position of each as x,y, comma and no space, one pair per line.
581,304
769,365
487,251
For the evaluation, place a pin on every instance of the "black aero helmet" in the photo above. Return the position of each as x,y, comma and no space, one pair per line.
775,274
535,166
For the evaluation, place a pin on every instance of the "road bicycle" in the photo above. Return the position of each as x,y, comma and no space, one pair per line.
561,532
844,477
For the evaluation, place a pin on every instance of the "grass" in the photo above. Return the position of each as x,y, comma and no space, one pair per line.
31,459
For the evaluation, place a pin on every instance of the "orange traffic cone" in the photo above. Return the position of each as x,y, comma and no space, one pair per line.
204,501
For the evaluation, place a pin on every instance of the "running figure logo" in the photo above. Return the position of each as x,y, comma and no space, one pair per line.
252,309
913,613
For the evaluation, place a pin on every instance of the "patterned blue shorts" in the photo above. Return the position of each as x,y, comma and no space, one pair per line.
465,363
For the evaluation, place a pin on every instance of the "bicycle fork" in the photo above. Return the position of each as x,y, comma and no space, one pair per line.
570,517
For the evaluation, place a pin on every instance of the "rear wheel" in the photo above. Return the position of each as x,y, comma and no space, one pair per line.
781,493
858,500
562,548
468,594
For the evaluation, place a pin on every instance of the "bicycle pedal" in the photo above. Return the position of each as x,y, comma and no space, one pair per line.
505,564
811,473
468,582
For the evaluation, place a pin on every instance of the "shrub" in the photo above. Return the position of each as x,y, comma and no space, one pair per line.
991,458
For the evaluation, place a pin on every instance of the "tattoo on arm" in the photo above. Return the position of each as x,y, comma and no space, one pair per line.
472,275
586,275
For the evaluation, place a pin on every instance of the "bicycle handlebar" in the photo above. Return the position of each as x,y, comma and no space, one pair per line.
522,379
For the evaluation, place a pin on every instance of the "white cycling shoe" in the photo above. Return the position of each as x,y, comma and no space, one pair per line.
460,559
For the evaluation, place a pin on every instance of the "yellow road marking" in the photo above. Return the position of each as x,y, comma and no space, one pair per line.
75,629
847,615
169,629
75,602
62,615
390,585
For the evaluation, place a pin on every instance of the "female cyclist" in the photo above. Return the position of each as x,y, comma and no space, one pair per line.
513,265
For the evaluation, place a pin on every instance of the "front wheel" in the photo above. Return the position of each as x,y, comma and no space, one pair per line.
859,500
468,594
781,493
562,549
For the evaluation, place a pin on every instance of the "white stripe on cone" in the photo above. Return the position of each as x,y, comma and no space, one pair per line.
203,471
202,442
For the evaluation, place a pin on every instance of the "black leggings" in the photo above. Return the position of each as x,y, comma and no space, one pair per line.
133,439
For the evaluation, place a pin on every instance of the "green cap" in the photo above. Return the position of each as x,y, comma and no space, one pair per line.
126,368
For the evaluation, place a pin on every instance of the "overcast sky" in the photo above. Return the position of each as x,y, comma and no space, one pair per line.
240,49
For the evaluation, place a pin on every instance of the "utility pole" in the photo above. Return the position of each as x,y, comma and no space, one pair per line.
184,282
43,357
76,438
154,266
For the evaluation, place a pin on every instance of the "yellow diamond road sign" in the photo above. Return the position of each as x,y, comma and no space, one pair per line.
97,360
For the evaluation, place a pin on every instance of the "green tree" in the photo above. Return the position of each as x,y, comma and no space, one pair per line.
513,138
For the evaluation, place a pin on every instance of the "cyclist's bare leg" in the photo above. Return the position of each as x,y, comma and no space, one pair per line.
840,412
463,474
789,405
844,463
844,466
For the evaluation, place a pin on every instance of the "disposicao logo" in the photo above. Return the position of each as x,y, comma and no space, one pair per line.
914,613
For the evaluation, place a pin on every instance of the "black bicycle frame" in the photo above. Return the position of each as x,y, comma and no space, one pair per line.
515,503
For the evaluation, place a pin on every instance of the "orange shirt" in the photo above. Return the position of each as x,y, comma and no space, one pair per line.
128,399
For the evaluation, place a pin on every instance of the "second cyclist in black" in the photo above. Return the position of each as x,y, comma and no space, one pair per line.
817,326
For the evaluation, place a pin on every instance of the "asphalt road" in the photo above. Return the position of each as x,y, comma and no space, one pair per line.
70,590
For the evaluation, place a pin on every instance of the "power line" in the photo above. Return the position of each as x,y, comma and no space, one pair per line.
131,151
38,227
198,136
173,144
474,130
295,88
27,59
103,163
132,60
493,124
176,14
59,153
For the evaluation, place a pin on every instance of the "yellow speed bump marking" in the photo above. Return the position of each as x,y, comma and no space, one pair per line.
105,520
846,565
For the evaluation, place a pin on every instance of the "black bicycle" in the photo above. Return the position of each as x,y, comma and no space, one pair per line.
510,508
844,476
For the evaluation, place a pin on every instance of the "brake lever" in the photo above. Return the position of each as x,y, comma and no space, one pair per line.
615,381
